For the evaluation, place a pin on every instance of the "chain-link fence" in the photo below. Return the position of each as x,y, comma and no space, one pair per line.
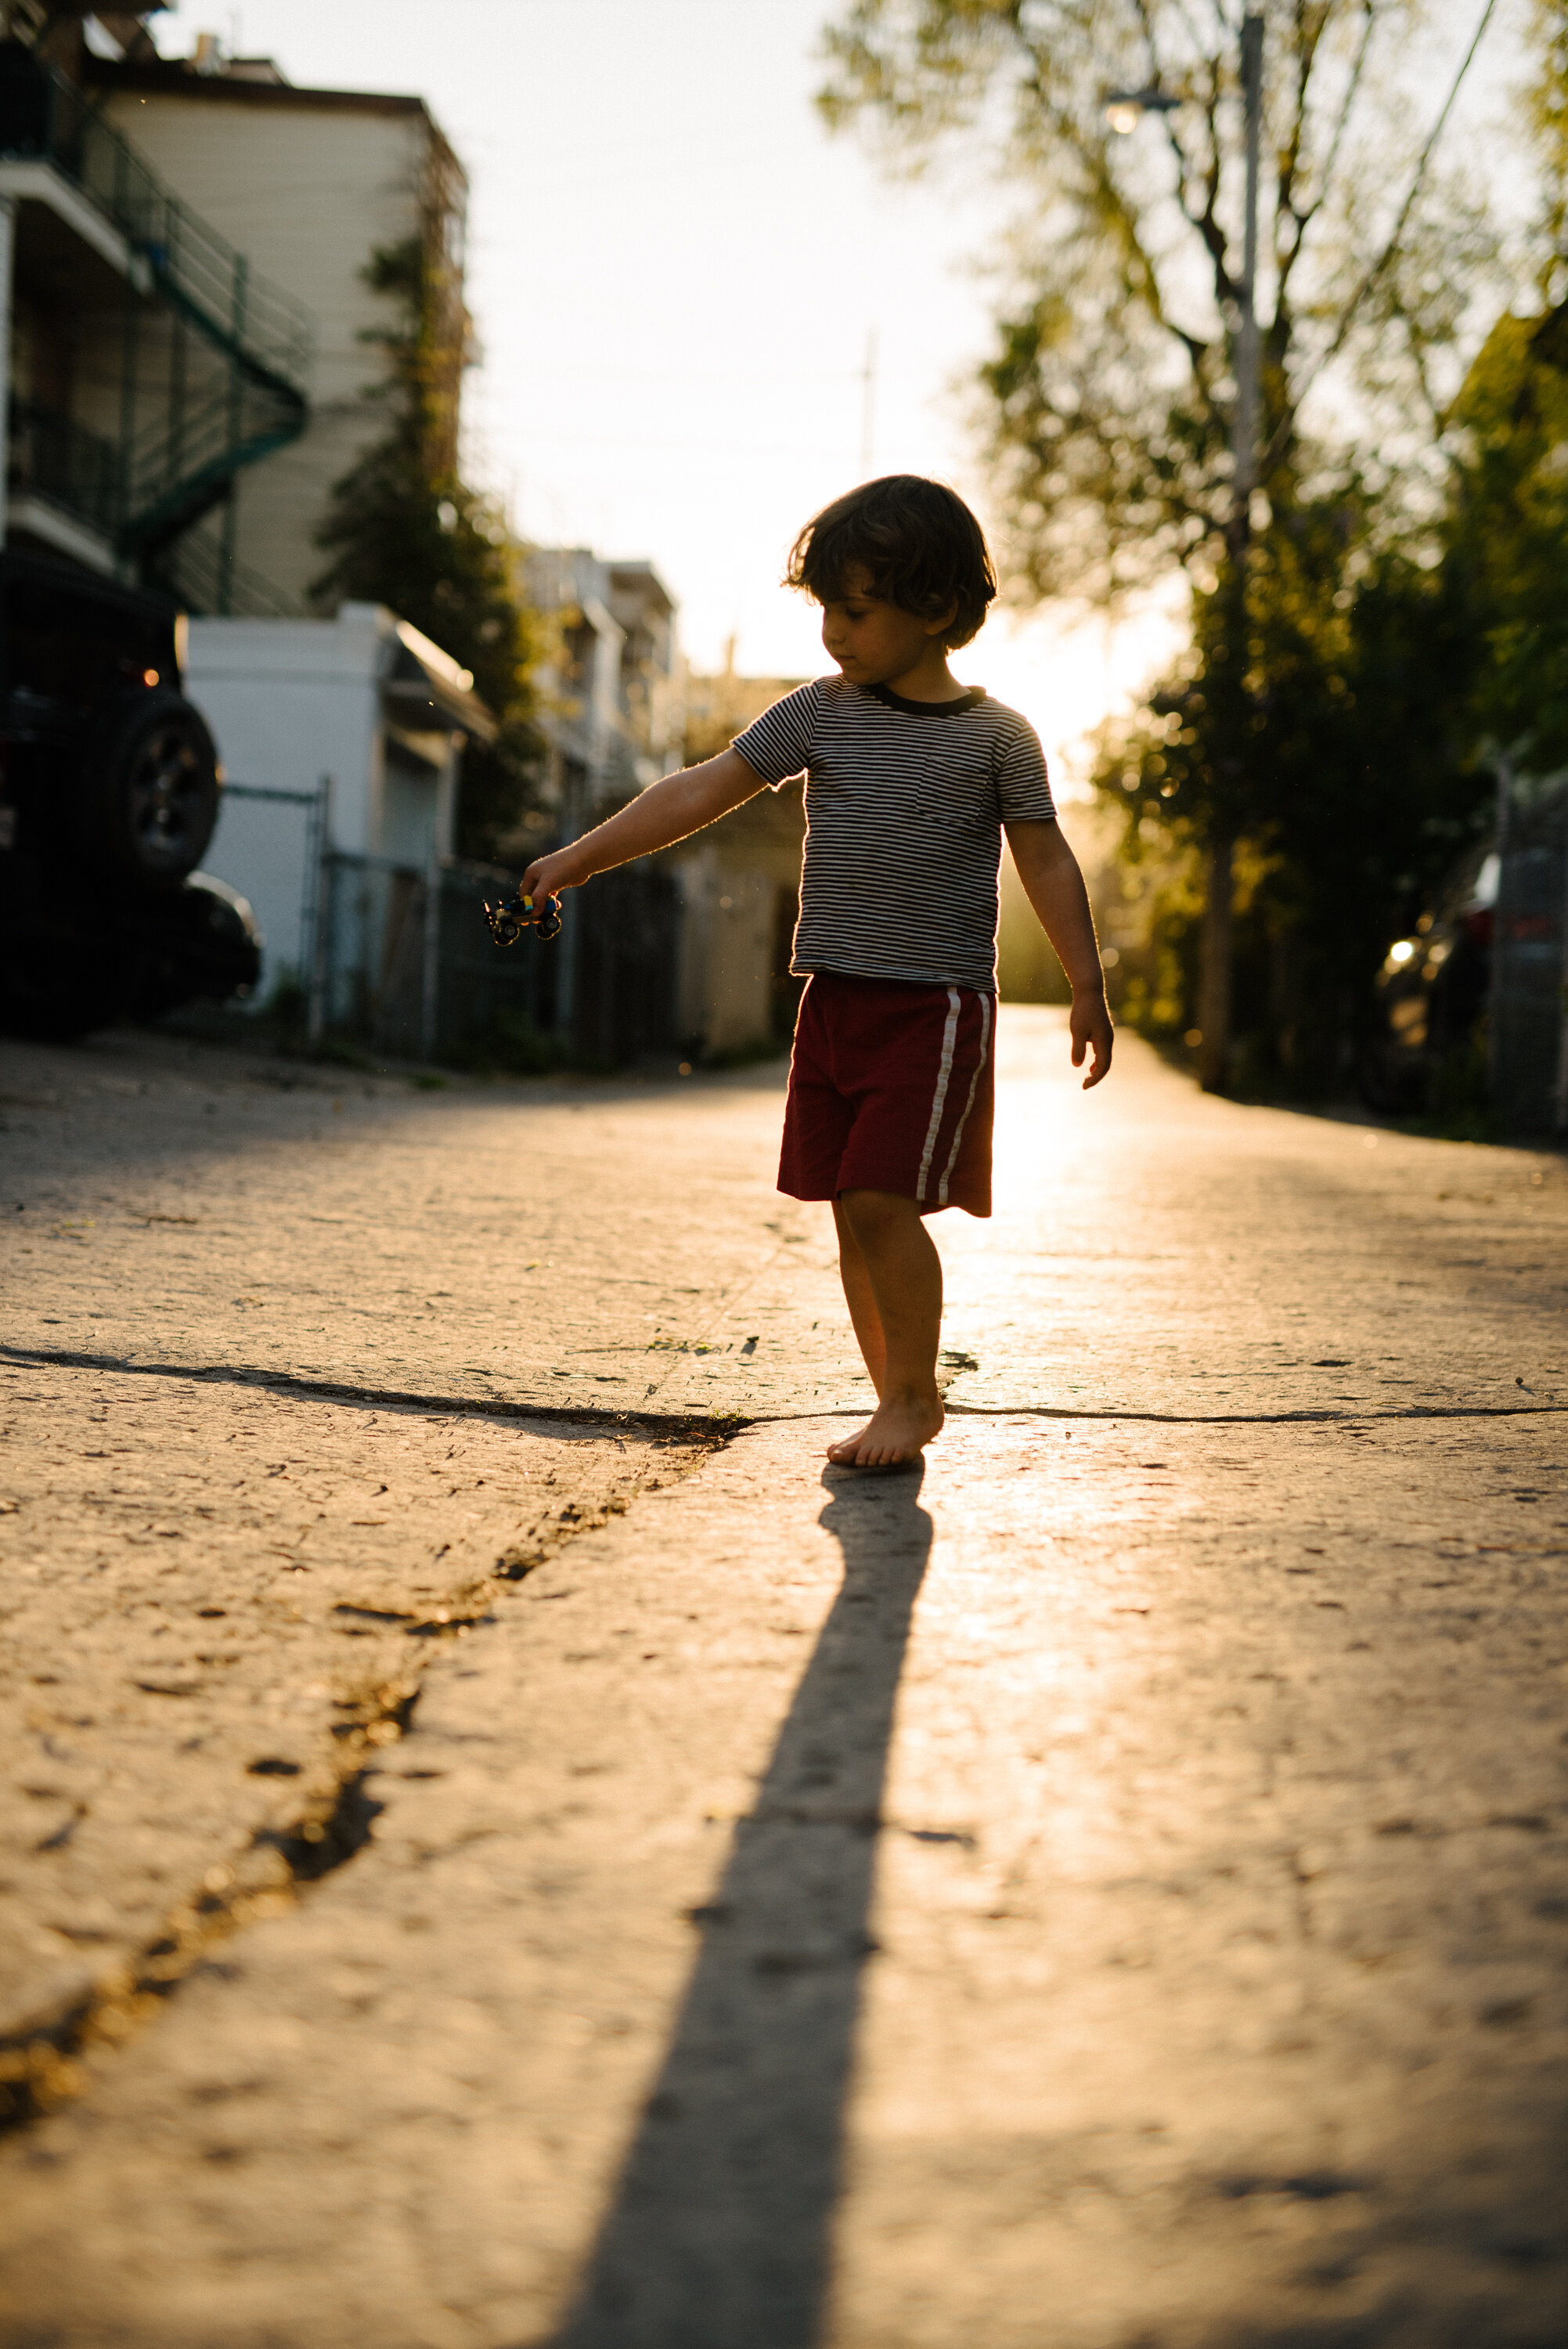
399,958
409,965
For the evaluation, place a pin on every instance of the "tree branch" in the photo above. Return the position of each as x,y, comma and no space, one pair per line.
1331,159
1375,272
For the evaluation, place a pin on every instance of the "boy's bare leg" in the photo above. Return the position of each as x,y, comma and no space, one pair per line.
860,1298
892,1285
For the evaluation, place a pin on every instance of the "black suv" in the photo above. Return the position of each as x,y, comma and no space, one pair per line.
109,794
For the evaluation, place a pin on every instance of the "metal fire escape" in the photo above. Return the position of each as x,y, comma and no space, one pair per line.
214,359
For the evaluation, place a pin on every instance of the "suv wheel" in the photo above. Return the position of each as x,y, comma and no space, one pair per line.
153,802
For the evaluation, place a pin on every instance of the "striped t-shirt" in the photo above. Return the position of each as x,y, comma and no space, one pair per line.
905,802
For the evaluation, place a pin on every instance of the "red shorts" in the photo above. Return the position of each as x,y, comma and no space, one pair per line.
890,1090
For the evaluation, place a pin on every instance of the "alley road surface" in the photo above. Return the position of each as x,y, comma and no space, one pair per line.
502,1849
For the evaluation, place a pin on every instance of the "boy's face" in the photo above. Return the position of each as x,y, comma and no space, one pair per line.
872,640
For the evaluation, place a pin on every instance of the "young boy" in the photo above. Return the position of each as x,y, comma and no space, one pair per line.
911,779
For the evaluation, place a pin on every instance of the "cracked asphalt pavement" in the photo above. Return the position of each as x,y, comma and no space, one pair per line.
502,1847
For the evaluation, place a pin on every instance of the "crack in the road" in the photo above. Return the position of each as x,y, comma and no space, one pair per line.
41,2068
1247,1418
699,1425
704,1426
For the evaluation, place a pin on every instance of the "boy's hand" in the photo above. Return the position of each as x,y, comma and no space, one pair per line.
1091,1031
548,876
1054,886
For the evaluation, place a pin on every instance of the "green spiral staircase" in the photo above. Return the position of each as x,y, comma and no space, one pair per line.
237,360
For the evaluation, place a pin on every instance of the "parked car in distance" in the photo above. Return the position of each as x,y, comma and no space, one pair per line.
1431,992
109,794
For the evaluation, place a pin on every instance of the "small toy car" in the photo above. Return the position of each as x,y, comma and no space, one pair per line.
508,921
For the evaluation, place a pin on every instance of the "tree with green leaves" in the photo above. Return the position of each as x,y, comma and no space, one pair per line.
1111,403
405,530
1506,536
1388,696
1548,102
1359,721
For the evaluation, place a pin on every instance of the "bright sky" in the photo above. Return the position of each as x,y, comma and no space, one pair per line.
676,276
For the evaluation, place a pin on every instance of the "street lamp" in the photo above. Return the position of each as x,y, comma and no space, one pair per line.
1125,107
1123,110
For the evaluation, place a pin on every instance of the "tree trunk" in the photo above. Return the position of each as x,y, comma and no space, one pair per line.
1214,988
1214,980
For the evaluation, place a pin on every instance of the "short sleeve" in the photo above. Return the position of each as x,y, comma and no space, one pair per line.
1023,787
778,745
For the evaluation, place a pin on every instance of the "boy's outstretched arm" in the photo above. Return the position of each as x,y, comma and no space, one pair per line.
666,812
1054,886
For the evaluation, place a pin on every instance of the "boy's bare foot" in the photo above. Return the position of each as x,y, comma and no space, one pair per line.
898,1430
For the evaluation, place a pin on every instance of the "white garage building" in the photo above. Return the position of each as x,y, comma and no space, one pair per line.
339,738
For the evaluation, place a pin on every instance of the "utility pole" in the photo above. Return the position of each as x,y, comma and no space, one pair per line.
1215,978
7,273
1498,989
869,402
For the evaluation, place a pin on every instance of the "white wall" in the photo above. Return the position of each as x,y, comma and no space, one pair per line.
412,808
723,986
290,701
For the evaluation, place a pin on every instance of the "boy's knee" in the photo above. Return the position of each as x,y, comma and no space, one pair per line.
871,1213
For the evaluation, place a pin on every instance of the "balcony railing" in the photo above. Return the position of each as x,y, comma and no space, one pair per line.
52,458
202,576
47,119
85,477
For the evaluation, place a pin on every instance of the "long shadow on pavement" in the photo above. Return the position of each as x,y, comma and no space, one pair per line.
719,2231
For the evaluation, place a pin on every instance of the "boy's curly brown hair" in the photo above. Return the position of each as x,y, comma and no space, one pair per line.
922,546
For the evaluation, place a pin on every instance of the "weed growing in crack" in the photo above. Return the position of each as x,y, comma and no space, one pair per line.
691,1447
43,2069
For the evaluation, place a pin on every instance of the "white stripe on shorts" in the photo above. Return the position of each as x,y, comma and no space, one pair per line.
974,1082
939,1099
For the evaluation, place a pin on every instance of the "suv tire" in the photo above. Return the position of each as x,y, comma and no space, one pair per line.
151,798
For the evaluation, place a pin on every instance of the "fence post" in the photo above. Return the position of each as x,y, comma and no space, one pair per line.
8,257
1560,1119
318,881
430,976
1496,1003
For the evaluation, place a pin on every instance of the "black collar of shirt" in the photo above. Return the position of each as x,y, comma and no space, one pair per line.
891,700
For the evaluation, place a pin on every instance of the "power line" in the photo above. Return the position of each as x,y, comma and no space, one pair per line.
869,402
1390,247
